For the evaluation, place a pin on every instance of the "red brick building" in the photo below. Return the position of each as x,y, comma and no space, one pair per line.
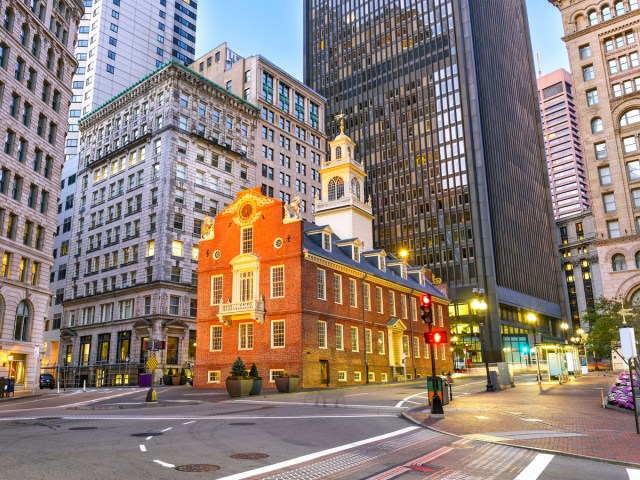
287,294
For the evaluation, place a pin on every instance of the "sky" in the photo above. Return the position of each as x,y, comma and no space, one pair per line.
274,30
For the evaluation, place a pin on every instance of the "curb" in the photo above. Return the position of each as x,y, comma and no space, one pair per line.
407,415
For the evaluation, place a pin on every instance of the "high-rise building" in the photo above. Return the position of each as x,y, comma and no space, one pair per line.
440,99
155,161
602,42
291,138
36,65
563,146
117,44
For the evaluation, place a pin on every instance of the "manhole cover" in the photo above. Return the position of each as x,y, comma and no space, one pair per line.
83,428
198,467
150,434
242,423
249,456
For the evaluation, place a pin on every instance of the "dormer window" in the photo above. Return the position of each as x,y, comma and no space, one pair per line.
338,153
382,265
326,241
247,240
403,271
356,253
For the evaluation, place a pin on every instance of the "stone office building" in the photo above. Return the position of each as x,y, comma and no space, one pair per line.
36,65
155,160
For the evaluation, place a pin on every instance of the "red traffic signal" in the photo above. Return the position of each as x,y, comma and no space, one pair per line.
425,305
425,300
435,338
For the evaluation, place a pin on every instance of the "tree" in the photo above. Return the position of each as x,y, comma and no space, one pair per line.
604,322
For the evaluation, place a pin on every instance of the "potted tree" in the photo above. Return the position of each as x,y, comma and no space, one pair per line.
257,380
238,382
183,376
287,383
166,379
175,378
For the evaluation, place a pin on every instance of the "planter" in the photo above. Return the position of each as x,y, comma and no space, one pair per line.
287,384
175,380
257,386
239,388
166,380
183,380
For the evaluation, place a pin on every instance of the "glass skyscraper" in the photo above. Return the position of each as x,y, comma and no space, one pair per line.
441,100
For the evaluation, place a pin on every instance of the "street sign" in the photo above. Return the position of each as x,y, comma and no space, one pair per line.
152,362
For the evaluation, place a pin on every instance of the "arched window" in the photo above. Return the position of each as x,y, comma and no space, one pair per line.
618,262
355,188
24,34
638,259
60,69
593,18
338,152
596,125
50,59
606,14
8,19
336,188
35,46
619,6
23,317
635,298
348,151
631,116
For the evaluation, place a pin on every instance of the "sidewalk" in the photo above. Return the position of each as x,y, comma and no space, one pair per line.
565,419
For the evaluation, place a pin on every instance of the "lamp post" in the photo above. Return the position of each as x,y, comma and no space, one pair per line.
533,320
10,358
564,326
454,343
479,308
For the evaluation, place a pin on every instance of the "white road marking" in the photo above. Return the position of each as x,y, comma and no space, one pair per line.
149,437
166,429
143,448
536,467
70,405
406,399
633,474
187,423
329,403
481,417
356,394
313,456
168,465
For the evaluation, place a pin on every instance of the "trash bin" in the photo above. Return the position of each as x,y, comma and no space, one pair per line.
443,389
10,386
493,375
144,380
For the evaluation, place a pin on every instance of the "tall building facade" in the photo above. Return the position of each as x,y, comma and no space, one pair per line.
118,44
155,160
602,41
36,65
450,134
563,145
291,138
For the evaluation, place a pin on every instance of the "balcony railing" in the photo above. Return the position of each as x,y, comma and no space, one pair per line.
252,309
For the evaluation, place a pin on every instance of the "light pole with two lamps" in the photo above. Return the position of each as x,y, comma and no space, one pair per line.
479,308
454,346
533,320
564,326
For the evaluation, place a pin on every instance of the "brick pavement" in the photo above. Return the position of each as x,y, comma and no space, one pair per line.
565,419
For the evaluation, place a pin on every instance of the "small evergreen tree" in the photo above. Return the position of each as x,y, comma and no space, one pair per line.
254,372
238,369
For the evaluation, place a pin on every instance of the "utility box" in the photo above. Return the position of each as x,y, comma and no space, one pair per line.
506,375
443,389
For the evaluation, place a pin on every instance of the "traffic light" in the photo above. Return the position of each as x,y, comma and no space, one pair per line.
435,338
427,308
524,349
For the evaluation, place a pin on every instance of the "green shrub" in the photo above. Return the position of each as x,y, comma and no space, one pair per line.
238,369
254,372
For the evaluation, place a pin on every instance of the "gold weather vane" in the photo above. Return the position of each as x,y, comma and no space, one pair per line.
340,117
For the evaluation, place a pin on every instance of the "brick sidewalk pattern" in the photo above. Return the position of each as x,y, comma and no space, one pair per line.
566,418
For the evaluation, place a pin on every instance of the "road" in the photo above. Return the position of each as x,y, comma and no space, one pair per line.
192,433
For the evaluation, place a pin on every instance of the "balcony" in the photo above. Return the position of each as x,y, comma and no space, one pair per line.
252,309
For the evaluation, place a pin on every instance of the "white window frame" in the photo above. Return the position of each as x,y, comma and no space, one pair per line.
372,377
322,334
355,339
381,347
245,336
384,378
211,376
416,347
357,376
274,333
353,293
368,340
211,297
211,338
321,277
379,300
337,288
403,306
274,372
392,303
340,337
342,375
367,297
277,285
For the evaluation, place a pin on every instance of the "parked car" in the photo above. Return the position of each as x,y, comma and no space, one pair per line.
47,381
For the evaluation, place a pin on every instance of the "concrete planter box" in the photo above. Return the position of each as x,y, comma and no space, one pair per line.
287,384
257,386
239,388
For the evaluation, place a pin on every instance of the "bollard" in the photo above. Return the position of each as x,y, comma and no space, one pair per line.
58,383
84,385
151,395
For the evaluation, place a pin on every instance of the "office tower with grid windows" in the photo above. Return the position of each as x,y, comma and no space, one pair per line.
441,101
36,65
155,161
118,43
291,127
602,40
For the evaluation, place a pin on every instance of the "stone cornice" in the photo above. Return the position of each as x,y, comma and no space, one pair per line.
613,241
616,24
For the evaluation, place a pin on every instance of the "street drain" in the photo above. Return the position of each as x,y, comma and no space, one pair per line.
242,423
150,434
83,428
248,456
198,467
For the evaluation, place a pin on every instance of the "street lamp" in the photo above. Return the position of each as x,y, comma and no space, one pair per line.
564,326
479,308
533,320
10,358
454,343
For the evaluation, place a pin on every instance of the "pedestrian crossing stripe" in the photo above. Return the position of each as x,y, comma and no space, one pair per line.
152,362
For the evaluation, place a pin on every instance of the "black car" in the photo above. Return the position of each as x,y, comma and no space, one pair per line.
47,381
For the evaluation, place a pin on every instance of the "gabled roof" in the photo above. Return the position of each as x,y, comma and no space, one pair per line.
336,255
